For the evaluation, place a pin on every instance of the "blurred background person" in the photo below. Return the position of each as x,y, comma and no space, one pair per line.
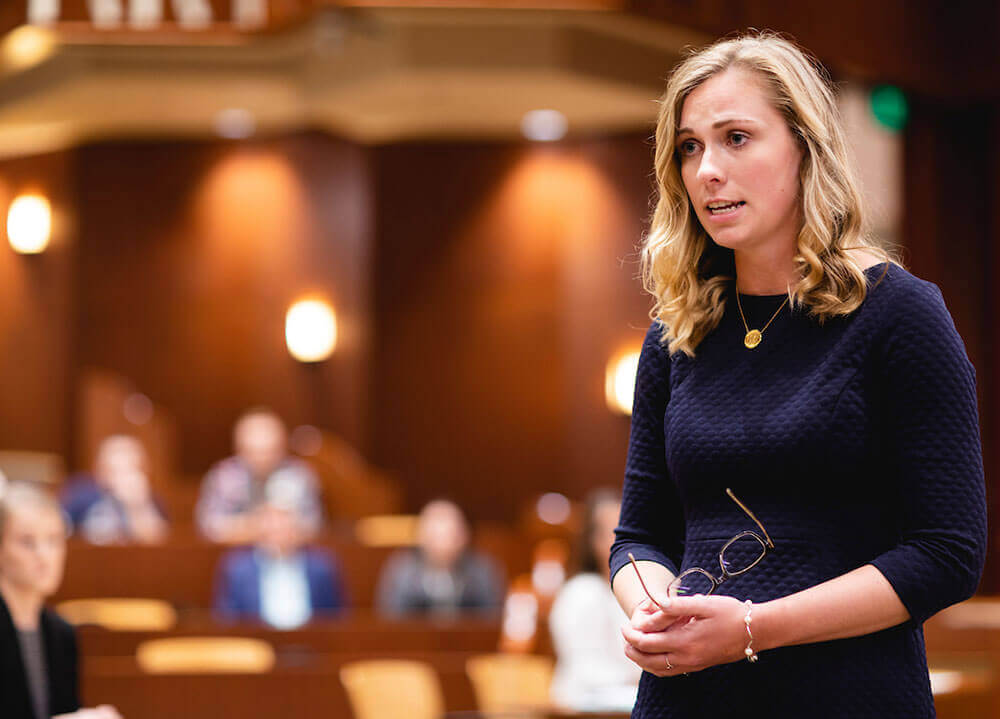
115,504
592,672
442,574
38,653
234,487
279,580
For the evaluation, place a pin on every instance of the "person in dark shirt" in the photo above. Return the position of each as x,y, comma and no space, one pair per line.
441,575
38,653
804,481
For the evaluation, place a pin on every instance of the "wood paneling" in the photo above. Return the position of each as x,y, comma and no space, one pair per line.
190,255
36,328
941,50
499,298
948,235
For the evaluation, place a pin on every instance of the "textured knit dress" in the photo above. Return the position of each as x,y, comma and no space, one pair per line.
855,442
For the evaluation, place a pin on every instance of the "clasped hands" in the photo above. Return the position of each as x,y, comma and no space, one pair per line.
686,634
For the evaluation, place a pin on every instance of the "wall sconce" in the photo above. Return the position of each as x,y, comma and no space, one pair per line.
29,224
619,381
29,45
310,330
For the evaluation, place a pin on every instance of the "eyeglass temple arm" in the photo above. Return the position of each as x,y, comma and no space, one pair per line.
750,514
636,568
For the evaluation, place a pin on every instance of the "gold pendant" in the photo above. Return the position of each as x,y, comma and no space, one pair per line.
752,339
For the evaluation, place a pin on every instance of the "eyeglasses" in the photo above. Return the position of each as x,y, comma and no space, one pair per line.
740,554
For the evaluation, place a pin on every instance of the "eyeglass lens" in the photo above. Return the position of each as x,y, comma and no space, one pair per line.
740,554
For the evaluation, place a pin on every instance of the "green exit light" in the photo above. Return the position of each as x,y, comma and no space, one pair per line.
889,106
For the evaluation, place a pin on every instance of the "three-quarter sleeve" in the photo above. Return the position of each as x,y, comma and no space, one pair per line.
934,452
651,525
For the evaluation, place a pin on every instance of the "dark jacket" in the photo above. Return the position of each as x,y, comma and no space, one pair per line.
59,641
237,591
402,586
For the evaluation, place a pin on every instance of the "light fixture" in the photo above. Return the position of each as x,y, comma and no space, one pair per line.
553,508
27,46
138,409
29,224
235,123
889,106
619,381
544,125
310,330
43,12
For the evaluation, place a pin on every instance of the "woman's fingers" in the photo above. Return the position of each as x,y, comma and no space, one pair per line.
661,665
650,642
696,605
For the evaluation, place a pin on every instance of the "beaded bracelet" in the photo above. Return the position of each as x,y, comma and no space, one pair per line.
749,651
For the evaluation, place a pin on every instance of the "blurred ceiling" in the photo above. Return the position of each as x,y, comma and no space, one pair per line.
379,71
372,74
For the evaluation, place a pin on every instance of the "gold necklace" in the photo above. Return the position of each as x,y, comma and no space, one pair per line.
753,337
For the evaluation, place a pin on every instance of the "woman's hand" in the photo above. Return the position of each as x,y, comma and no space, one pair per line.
687,635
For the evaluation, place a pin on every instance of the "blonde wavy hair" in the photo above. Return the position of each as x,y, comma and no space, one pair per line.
683,268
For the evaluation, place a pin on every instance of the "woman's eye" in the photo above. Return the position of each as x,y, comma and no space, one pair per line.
687,147
738,138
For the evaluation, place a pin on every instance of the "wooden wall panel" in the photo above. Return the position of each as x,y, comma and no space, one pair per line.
949,235
499,297
36,314
941,50
190,256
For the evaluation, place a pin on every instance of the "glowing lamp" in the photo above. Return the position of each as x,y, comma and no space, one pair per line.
28,45
544,125
29,224
310,330
619,381
889,106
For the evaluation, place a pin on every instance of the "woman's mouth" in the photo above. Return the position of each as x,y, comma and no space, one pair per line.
724,208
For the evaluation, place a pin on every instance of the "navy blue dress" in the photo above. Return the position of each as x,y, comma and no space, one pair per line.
854,442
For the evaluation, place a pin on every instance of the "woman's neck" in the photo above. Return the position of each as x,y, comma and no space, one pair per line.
765,272
25,606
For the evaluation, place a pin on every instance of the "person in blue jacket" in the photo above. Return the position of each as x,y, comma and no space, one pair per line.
278,580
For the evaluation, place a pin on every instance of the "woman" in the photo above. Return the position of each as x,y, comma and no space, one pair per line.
792,362
591,672
38,655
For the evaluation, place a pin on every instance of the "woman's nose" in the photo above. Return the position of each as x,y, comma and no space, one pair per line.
710,169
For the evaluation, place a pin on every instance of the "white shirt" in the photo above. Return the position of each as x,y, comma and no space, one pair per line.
592,672
284,591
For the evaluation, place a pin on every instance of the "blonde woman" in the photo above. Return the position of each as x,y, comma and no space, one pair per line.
804,482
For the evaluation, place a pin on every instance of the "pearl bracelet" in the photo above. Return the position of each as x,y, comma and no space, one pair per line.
749,651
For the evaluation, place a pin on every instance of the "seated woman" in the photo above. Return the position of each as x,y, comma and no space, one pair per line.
38,655
442,574
115,505
278,580
592,672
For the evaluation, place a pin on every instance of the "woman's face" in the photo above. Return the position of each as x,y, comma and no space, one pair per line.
740,163
33,549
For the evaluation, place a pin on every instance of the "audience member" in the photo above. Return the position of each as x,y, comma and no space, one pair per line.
115,505
592,672
279,580
235,486
38,654
441,574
